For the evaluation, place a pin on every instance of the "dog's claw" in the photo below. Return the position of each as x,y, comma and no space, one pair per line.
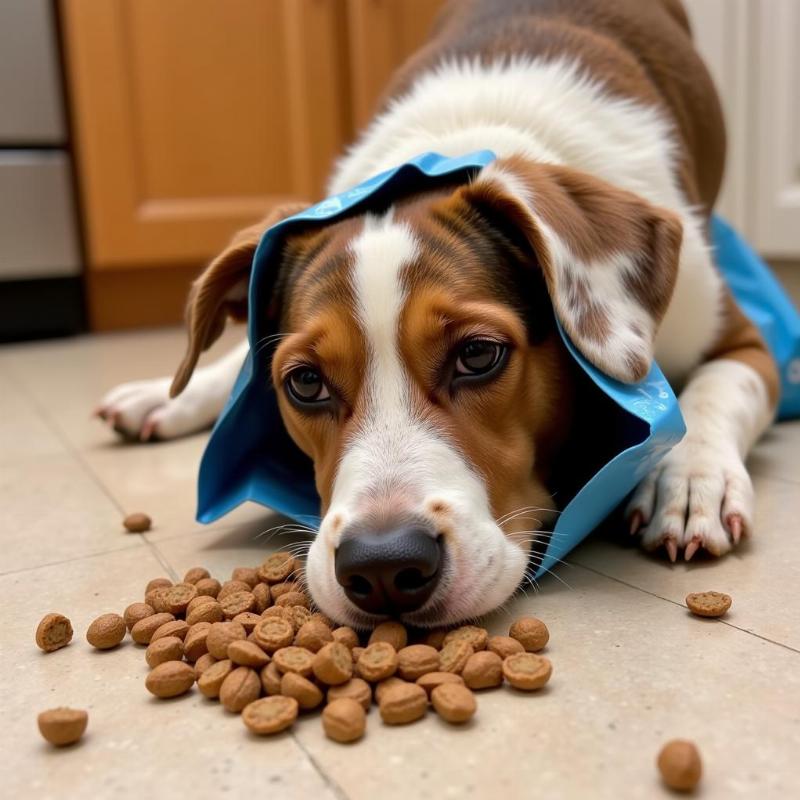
671,547
734,523
635,522
691,549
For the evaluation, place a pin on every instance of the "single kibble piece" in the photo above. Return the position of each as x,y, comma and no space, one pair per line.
157,583
313,635
377,662
474,636
248,620
137,522
531,633
196,574
292,599
271,679
403,703
237,603
210,611
142,632
62,726
247,654
454,656
157,598
392,632
355,689
239,689
527,671
278,612
708,604
346,636
504,646
107,631
195,644
203,663
333,664
453,702
136,612
208,587
298,616
179,596
680,765
433,679
273,633
210,682
177,627
307,694
247,575
277,567
168,648
435,637
199,600
294,659
170,679
220,635
344,720
277,589
53,632
416,660
270,714
383,686
232,587
262,597
483,670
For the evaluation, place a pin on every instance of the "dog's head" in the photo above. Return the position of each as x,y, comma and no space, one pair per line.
421,369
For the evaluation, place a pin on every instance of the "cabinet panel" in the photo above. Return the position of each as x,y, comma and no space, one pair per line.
193,117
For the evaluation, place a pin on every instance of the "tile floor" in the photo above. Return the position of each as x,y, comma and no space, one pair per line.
632,668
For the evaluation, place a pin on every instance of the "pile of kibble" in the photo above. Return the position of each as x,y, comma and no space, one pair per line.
254,644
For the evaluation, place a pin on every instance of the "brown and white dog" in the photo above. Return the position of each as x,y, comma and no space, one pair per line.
419,364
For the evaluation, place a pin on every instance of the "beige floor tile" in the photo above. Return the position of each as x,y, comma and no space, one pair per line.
135,746
630,672
778,453
757,575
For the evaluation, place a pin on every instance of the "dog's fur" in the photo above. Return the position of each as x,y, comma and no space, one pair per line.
610,147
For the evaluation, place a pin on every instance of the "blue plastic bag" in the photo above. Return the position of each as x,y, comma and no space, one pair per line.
250,456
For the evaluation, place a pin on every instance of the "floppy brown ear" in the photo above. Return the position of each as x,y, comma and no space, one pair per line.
609,258
221,292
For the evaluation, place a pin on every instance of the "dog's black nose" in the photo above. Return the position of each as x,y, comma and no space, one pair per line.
389,573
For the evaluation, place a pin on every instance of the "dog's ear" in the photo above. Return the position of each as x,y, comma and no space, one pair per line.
221,292
609,258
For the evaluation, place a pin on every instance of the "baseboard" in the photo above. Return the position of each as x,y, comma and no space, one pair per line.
39,308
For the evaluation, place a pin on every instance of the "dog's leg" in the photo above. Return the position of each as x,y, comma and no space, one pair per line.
144,409
700,495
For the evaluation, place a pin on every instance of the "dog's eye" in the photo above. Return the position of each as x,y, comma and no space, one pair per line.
306,385
479,357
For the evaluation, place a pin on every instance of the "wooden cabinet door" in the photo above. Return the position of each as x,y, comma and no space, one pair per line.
192,117
382,34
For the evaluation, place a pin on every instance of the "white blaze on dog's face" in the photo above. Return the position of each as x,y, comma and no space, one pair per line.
424,375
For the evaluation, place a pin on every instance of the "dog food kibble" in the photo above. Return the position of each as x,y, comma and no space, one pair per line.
254,643
416,660
247,654
403,703
504,646
210,682
170,679
391,632
344,720
531,633
454,655
483,670
53,632
307,693
680,765
354,689
333,664
168,648
142,632
708,604
137,522
62,726
454,702
239,689
527,671
433,679
270,714
377,662
107,631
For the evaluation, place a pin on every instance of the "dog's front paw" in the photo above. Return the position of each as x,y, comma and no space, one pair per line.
699,497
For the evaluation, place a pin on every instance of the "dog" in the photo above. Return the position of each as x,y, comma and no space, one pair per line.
419,364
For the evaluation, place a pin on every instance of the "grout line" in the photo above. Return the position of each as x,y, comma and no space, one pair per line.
681,605
162,559
327,779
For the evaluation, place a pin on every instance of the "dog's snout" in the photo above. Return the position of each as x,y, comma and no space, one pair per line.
389,573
